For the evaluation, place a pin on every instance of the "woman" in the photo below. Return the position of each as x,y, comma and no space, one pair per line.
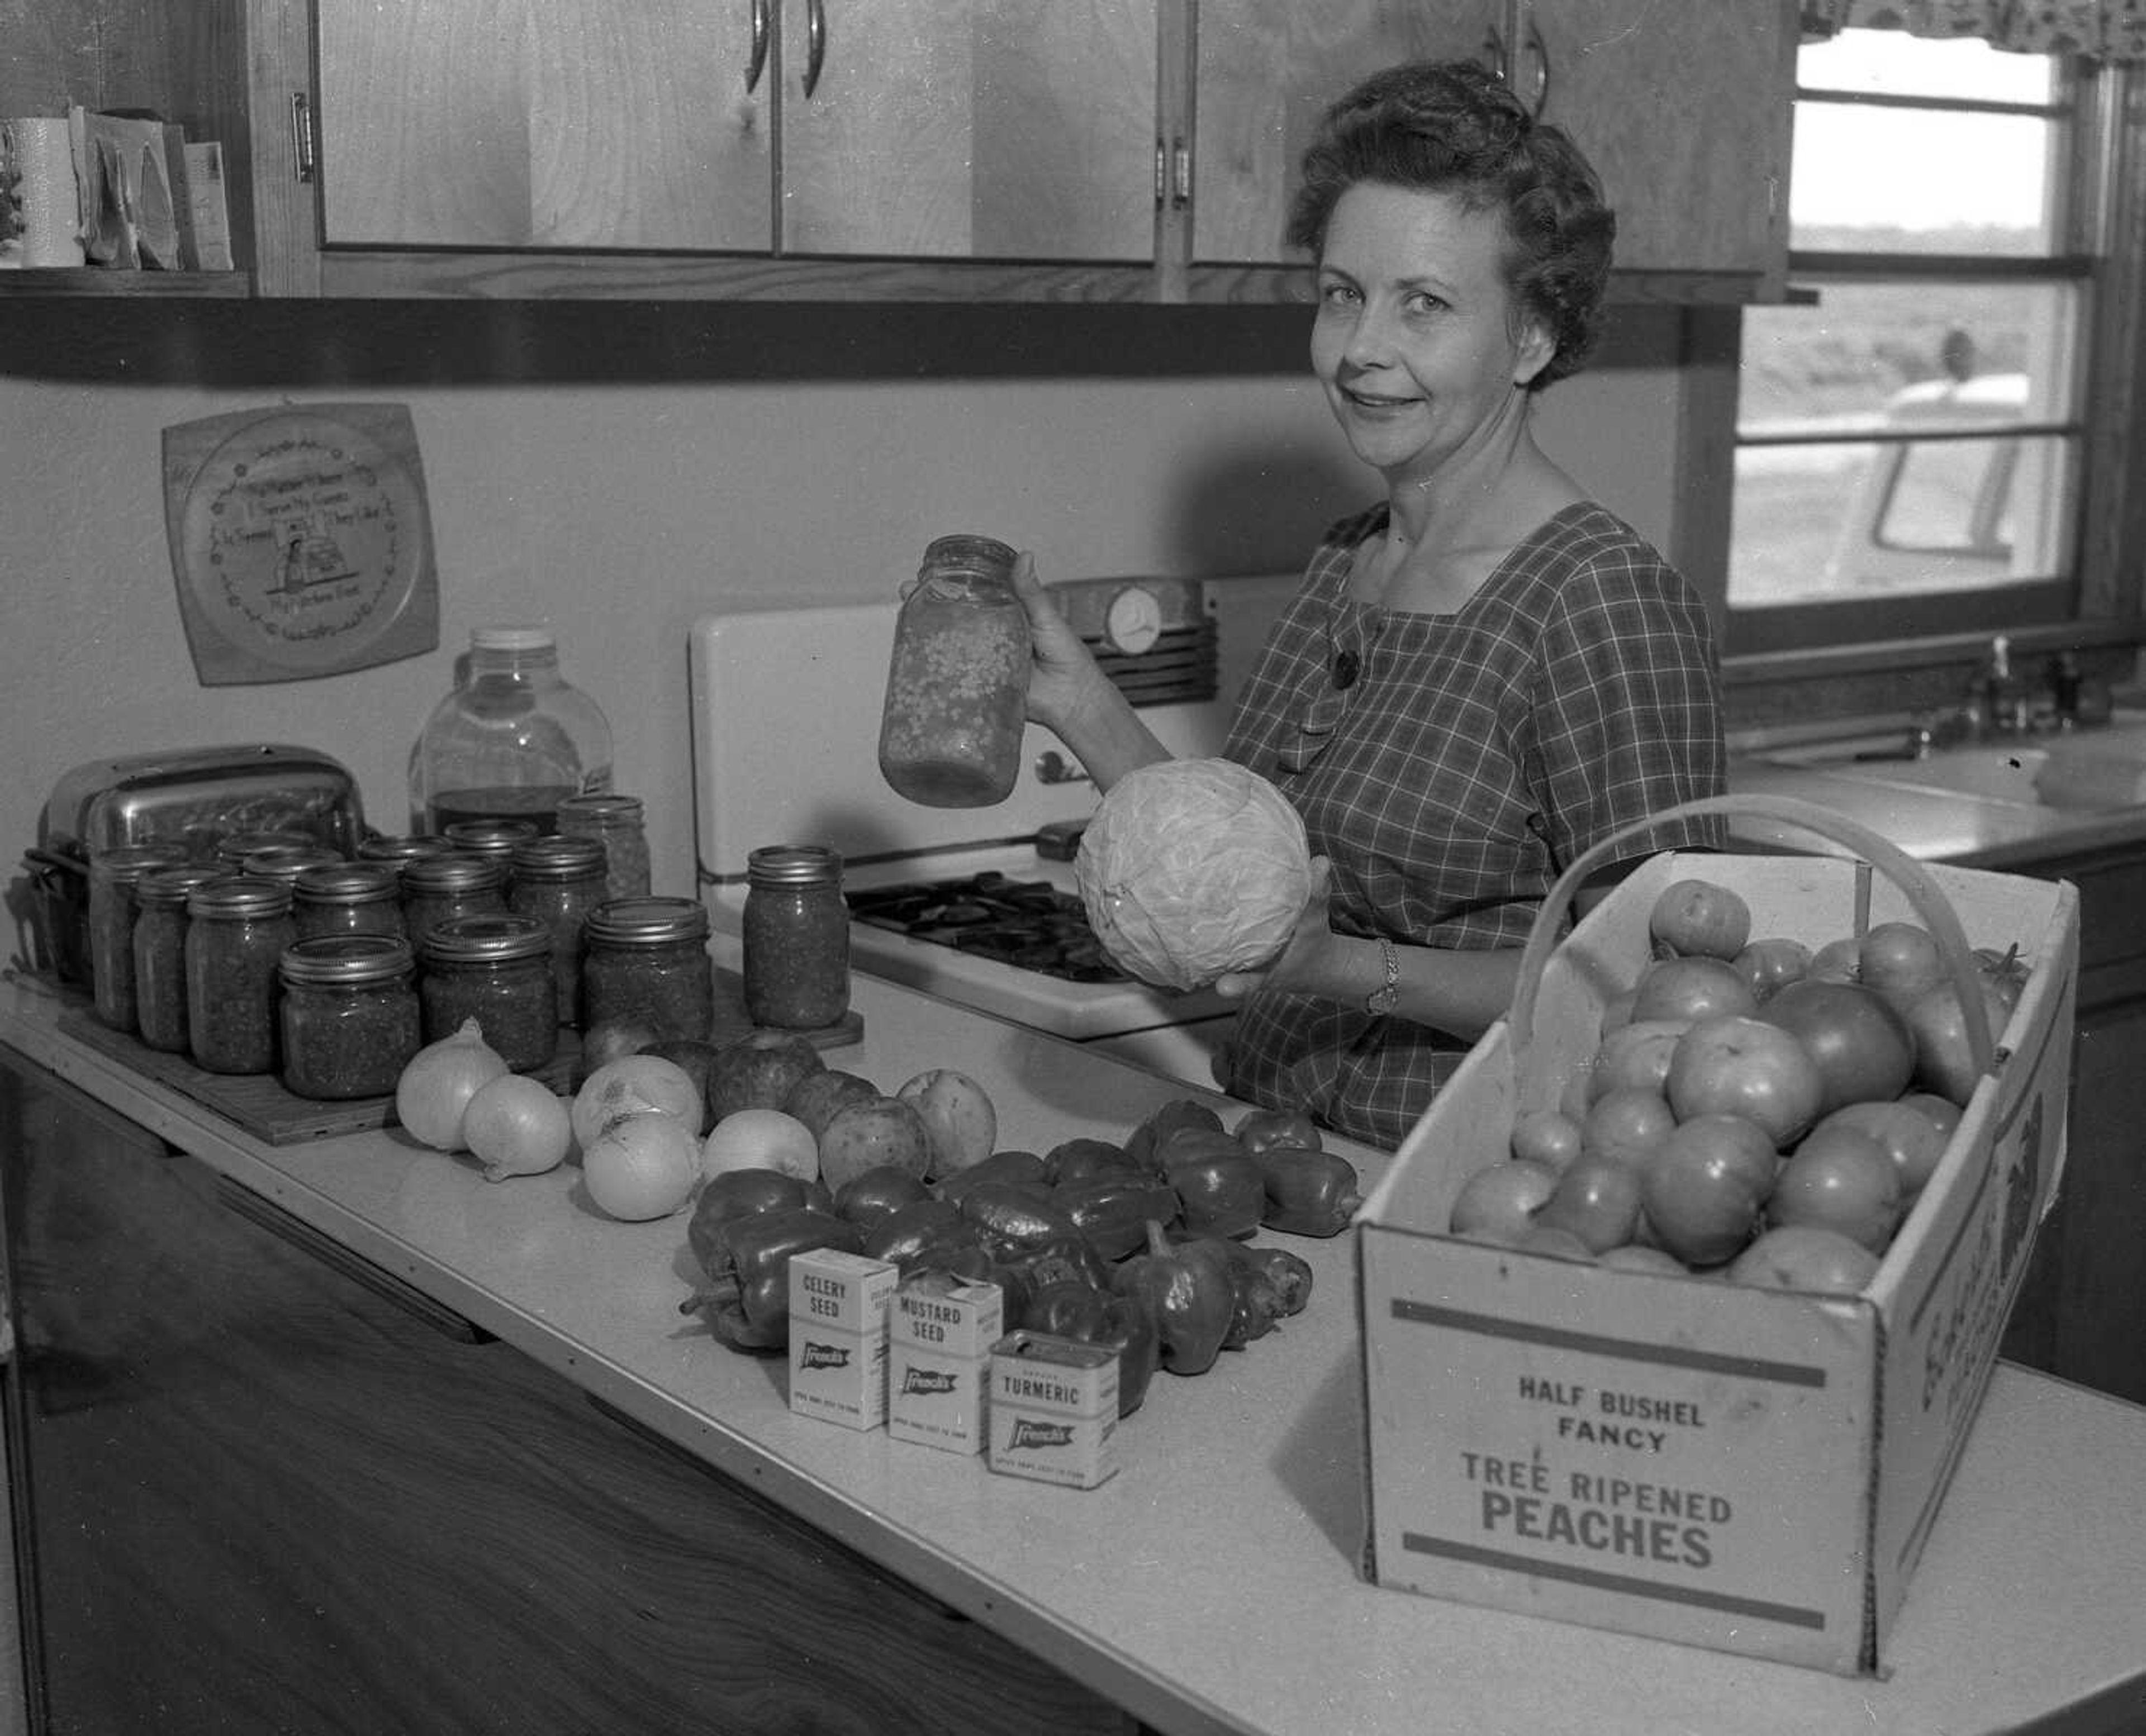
1480,676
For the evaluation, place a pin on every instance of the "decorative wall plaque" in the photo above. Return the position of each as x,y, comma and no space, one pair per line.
302,541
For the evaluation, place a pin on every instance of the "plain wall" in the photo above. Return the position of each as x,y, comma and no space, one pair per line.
618,470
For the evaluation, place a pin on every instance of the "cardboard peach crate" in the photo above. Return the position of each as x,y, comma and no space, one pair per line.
1752,1470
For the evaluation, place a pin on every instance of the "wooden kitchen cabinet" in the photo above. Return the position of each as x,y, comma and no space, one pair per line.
261,1485
1683,105
1003,150
1006,128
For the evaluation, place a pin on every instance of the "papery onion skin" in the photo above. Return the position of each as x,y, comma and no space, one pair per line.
436,1083
643,1166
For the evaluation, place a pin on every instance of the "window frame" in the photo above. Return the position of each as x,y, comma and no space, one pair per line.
2100,236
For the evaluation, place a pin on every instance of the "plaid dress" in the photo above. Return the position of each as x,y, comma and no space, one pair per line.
1452,765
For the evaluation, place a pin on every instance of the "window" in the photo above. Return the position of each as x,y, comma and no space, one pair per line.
1911,431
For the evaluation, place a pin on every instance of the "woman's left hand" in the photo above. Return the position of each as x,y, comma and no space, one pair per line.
1311,963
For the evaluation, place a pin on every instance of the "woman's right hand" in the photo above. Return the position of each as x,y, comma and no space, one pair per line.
1063,682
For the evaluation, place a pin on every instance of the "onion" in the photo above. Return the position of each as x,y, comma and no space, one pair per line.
643,1166
517,1125
632,1086
434,1088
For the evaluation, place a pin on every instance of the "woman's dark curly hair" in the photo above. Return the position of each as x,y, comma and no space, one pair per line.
1453,127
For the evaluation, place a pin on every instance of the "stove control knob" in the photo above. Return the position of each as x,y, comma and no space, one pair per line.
1133,621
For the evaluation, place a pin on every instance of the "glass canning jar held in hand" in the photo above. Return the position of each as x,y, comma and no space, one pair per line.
511,741
957,685
796,939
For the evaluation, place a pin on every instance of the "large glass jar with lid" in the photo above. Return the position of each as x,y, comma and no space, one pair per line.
647,959
440,889
511,740
347,898
350,1016
113,875
560,881
160,951
496,970
797,938
957,683
237,929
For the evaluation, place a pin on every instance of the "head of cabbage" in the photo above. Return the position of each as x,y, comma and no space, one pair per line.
1193,868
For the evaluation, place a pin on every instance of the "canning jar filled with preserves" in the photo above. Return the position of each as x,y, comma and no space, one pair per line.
233,848
560,881
494,840
647,958
796,939
286,862
497,970
957,684
349,1013
399,848
160,951
616,822
441,889
347,898
237,930
113,875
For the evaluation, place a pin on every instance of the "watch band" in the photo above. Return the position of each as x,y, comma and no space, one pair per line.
1383,999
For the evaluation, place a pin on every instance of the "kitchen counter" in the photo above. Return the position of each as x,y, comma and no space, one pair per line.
1212,1585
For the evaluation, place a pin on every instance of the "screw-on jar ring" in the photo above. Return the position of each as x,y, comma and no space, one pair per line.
287,861
348,960
651,921
239,896
556,858
794,865
347,883
460,872
171,886
487,937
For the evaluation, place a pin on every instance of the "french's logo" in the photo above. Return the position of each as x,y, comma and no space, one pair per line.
1029,1433
824,1356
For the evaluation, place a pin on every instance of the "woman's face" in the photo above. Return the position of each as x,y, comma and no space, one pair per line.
1418,342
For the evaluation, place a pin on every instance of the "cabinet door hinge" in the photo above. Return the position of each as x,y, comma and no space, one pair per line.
303,159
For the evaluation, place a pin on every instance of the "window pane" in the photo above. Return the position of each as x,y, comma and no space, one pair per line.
1916,180
1895,64
1956,352
1838,520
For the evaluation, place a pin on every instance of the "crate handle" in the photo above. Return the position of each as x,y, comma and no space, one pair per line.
1922,892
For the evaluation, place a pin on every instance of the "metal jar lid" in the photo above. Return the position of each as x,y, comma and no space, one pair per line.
348,960
491,938
489,837
558,858
651,921
127,863
285,861
458,872
234,847
384,847
240,896
346,883
611,810
794,865
171,886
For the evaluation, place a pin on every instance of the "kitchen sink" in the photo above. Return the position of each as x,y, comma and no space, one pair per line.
2096,769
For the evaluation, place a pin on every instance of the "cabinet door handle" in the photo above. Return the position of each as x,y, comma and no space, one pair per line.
1181,173
757,64
1537,96
332,1253
303,161
815,43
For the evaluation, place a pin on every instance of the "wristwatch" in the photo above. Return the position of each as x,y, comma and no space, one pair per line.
1383,999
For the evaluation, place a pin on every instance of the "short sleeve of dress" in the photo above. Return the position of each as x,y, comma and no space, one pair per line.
1627,713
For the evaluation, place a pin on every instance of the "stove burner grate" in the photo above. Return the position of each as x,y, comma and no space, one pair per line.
1030,924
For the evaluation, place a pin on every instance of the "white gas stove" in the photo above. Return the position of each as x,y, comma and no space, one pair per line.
974,904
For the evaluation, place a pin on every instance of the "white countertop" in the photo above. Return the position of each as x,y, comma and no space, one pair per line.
1212,1585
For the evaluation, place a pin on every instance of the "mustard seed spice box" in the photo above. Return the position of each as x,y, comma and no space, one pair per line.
838,1309
939,1352
1053,1409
